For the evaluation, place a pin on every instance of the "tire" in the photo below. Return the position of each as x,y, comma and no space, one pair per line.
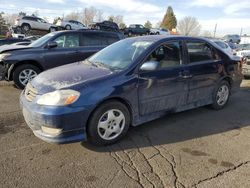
246,77
157,33
52,29
105,121
25,27
68,27
19,77
222,92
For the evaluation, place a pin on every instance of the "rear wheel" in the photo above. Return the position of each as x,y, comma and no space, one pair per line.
68,27
108,124
221,95
52,29
26,27
23,74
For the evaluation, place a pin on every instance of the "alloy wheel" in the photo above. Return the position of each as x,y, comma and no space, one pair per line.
27,75
111,124
222,95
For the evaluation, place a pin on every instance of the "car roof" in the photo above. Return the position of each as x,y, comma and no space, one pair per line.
155,38
86,31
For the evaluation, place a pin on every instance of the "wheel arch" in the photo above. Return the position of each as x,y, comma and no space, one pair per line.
25,62
117,99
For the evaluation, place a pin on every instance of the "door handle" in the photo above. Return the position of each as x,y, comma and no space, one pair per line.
186,76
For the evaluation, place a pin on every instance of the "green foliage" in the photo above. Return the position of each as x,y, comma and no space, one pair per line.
169,21
148,25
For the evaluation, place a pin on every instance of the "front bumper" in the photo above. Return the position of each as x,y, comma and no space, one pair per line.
71,120
246,70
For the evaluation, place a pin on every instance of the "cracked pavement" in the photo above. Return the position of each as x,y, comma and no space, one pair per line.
194,149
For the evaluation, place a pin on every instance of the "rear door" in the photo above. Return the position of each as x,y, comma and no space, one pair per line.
205,67
166,88
92,42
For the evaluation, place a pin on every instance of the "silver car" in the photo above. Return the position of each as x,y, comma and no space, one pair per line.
70,24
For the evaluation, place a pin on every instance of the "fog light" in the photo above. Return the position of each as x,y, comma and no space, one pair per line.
51,131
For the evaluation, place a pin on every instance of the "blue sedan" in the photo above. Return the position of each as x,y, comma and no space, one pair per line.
131,82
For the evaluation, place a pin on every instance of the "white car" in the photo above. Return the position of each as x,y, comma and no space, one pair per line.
31,22
159,31
224,46
70,24
244,53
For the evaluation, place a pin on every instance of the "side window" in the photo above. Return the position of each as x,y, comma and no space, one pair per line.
94,39
67,41
201,51
169,55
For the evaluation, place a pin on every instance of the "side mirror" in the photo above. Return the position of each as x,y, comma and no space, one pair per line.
149,66
51,44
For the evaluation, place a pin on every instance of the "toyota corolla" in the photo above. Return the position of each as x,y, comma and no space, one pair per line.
131,82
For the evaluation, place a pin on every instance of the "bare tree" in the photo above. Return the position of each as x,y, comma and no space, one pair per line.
117,19
10,18
89,15
189,26
206,33
73,16
99,16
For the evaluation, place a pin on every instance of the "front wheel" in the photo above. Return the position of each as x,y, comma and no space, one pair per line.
108,124
221,95
23,74
52,29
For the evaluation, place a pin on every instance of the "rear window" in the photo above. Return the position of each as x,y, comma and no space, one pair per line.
98,39
201,51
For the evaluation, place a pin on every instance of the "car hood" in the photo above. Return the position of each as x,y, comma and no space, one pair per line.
67,76
7,48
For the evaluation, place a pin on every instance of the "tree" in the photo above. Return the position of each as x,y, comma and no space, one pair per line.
148,25
207,34
21,14
189,26
89,15
169,21
56,20
118,19
122,25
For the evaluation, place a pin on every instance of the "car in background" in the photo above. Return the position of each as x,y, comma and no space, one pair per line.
70,24
159,31
105,26
232,38
34,23
223,45
8,41
244,53
130,82
136,29
22,63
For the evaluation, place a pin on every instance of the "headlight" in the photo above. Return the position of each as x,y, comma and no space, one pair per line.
59,98
3,56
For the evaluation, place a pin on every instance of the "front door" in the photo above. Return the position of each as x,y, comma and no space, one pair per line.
166,88
67,51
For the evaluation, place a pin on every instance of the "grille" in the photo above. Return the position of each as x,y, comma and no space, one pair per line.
30,92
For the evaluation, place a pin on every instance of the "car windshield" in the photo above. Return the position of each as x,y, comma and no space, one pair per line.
119,55
39,42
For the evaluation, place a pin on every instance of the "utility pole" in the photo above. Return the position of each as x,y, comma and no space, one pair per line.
215,28
241,30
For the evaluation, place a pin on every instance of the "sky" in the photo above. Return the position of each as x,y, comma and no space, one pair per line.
230,15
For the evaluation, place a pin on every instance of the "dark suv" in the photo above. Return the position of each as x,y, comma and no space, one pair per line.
23,63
